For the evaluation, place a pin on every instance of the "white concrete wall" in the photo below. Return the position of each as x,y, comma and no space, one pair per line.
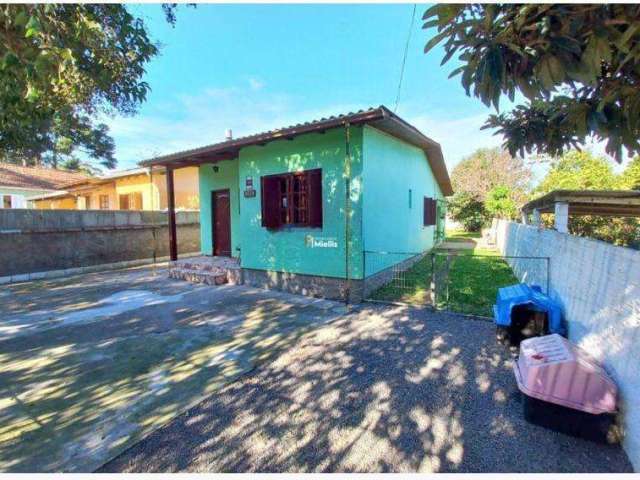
598,285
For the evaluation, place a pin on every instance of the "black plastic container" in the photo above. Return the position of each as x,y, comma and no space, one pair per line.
599,428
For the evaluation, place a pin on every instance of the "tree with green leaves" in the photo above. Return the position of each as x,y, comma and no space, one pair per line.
577,170
577,66
485,171
500,203
486,168
468,211
630,178
61,67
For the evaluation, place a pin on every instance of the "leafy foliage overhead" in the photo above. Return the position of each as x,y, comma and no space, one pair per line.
61,65
578,66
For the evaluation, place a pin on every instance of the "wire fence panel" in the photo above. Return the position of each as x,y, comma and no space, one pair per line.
460,282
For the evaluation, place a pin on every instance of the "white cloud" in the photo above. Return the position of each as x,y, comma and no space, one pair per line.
192,121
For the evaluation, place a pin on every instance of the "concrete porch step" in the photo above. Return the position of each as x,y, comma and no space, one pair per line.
209,277
207,270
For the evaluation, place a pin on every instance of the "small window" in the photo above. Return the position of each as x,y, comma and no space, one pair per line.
104,202
6,201
293,199
130,201
429,211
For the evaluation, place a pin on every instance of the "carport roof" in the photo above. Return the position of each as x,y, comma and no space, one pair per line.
380,117
623,203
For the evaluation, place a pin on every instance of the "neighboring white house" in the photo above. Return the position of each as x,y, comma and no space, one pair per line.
18,184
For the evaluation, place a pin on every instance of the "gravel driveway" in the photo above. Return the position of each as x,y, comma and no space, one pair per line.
89,365
382,389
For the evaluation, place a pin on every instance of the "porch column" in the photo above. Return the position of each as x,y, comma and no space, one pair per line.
171,207
562,217
525,217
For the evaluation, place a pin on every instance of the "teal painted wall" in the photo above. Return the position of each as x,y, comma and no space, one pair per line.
225,177
389,179
286,250
393,172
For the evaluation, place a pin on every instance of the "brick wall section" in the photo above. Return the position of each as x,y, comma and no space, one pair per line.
45,240
598,285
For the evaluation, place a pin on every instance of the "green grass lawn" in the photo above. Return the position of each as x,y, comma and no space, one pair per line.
470,286
461,235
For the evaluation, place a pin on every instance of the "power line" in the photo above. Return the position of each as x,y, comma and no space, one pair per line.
404,58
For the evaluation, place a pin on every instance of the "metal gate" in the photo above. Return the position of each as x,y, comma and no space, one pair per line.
463,282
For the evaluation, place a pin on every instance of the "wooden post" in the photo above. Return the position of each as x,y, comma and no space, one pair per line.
171,206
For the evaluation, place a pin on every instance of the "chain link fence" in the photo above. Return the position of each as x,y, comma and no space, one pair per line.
462,282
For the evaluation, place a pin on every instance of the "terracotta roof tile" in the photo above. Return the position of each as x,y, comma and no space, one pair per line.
37,177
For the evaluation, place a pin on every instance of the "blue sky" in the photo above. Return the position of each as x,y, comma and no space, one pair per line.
256,67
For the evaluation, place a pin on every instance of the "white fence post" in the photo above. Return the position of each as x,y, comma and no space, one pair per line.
562,217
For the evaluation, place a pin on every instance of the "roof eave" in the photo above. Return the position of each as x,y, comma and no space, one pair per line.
380,117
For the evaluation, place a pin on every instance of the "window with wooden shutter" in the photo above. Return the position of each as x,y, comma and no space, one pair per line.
293,199
434,211
270,188
429,212
315,198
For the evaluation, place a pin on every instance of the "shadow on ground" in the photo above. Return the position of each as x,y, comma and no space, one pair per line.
385,389
89,365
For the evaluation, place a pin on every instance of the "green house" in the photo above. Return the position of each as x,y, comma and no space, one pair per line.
323,208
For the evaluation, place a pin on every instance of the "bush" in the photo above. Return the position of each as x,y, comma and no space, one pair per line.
469,211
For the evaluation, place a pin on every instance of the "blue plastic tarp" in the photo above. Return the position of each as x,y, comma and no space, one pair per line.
523,294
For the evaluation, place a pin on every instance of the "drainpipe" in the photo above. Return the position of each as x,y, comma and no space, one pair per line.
347,207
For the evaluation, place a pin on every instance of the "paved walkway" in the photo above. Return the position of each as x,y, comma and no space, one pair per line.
382,389
91,364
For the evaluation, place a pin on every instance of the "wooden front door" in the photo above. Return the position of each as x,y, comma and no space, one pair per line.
220,208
